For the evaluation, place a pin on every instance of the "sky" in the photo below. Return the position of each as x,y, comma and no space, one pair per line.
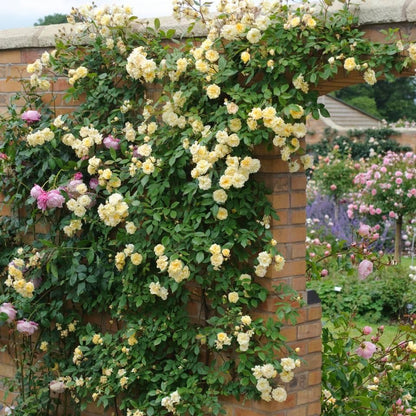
24,13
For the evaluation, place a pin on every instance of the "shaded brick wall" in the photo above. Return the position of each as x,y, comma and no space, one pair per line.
289,199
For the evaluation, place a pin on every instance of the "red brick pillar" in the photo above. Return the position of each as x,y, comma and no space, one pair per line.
289,200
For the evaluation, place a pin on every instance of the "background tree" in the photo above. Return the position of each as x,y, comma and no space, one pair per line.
51,19
389,100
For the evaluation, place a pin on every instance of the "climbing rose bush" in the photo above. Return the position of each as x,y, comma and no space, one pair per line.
143,207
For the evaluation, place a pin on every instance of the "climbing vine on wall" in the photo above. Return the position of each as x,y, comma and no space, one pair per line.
145,210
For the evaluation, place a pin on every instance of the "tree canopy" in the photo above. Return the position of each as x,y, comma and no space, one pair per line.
389,100
51,19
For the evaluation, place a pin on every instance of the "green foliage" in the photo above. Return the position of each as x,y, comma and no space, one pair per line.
380,381
389,100
383,295
358,143
145,211
334,174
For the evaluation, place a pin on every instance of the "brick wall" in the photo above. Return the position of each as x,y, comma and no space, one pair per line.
289,199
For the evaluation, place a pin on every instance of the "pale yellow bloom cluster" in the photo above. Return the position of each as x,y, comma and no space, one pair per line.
297,112
264,260
16,279
44,345
139,67
79,206
40,137
222,214
129,132
213,91
97,339
93,165
306,21
130,227
174,75
36,69
350,64
120,258
76,74
114,16
78,356
307,161
412,51
300,84
170,113
218,255
170,402
279,262
178,271
58,122
263,374
370,76
206,58
135,412
243,339
108,179
158,290
126,106
114,210
219,196
222,339
238,170
73,227
89,138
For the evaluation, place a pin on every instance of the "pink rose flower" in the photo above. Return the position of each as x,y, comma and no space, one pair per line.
324,272
57,386
42,200
9,310
71,188
3,156
36,191
26,327
54,199
93,183
367,330
364,230
78,176
111,142
366,350
333,187
30,116
364,269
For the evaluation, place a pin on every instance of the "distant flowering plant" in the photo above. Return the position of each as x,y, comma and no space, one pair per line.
386,190
147,209
366,373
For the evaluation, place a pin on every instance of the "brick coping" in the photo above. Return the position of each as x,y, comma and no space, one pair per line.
370,12
44,36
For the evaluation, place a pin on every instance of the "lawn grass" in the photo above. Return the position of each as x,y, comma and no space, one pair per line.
389,333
